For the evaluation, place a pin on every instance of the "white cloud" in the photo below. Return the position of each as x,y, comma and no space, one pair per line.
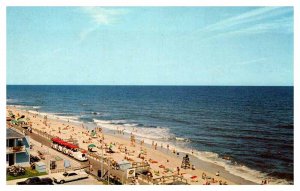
256,21
86,32
252,16
99,16
103,16
254,61
283,26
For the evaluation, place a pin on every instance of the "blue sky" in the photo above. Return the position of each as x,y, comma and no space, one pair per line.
150,45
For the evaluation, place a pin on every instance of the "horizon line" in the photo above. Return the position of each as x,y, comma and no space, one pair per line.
143,85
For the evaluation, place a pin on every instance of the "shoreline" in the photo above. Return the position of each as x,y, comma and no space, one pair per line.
161,153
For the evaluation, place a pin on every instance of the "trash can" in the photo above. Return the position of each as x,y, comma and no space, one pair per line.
99,173
52,165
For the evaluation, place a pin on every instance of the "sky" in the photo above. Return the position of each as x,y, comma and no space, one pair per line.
150,45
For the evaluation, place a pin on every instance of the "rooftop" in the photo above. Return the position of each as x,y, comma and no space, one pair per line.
12,134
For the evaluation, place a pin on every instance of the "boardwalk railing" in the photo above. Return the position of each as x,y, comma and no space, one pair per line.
170,179
43,134
68,169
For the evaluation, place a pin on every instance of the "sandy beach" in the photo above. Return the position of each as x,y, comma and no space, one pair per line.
159,158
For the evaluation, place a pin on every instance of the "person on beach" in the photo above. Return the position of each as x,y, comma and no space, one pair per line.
263,182
136,182
155,147
90,166
193,167
178,170
168,146
218,173
149,176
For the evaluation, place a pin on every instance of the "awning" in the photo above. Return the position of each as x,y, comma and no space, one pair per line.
64,143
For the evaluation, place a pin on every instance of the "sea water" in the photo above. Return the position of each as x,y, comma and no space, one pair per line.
248,130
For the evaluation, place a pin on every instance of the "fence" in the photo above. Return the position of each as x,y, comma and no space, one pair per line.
170,179
68,169
43,134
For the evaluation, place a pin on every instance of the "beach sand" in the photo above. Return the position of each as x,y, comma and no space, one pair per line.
163,156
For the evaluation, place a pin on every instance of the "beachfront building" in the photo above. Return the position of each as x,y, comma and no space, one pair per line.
17,148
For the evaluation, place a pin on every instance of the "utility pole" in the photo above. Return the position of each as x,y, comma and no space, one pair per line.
102,160
108,171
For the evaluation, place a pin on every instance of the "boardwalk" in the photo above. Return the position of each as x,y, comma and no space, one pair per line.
44,139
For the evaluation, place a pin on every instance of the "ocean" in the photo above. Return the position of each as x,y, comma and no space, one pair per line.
248,130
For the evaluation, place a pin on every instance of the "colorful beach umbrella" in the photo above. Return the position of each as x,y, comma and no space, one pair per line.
14,122
92,145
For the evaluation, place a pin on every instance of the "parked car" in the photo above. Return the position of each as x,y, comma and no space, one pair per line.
70,176
36,181
79,156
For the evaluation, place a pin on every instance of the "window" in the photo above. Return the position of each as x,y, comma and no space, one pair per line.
20,142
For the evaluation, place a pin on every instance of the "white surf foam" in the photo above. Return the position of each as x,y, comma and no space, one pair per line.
182,139
74,119
17,106
157,133
60,116
10,100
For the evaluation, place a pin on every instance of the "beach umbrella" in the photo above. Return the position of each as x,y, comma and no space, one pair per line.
91,145
14,122
11,114
93,133
22,120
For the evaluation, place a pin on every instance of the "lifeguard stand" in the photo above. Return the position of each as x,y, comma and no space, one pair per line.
186,162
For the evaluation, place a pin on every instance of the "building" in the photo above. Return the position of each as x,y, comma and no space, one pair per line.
17,148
